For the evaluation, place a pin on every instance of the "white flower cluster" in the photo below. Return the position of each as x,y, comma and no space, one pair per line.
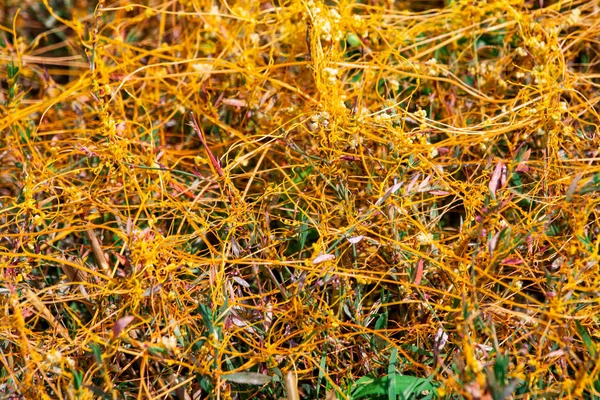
388,113
538,47
539,75
425,238
531,111
434,68
382,117
202,68
420,114
55,358
430,67
326,22
214,10
254,38
521,52
562,106
363,114
319,119
331,74
574,18
488,73
169,342
360,24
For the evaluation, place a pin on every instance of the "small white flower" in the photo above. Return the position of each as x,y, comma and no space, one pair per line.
331,74
53,357
521,51
202,68
326,31
562,106
575,17
420,114
169,342
425,238
335,16
254,38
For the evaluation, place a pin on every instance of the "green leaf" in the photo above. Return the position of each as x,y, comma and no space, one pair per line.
501,369
587,242
587,340
356,77
521,154
589,189
13,70
414,387
155,350
322,368
248,378
584,58
77,379
99,392
278,377
303,234
353,40
381,322
207,317
370,387
405,385
392,375
97,352
206,384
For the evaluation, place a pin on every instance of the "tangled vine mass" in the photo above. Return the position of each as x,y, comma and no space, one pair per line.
299,199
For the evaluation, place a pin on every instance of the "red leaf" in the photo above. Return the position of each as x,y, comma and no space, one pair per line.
512,261
214,161
412,183
120,325
322,258
235,102
26,312
355,239
573,186
522,167
423,185
495,180
492,243
419,272
439,192
388,193
122,259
